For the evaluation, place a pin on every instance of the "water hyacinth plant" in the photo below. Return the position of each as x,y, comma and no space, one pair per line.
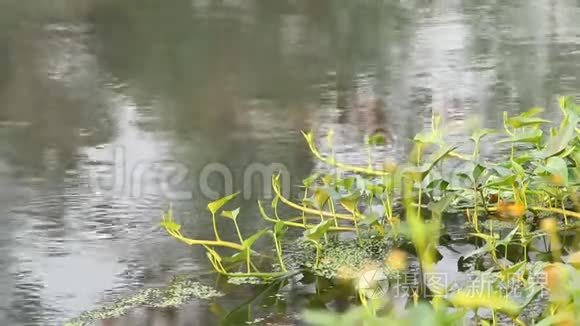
530,196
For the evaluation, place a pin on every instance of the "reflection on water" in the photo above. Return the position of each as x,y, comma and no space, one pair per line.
199,82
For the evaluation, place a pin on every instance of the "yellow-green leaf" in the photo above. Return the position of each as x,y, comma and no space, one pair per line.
233,215
214,206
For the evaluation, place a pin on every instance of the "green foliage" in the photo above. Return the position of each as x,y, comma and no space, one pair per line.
409,202
214,206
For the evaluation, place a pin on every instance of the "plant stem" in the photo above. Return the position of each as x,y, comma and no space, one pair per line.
483,201
547,209
523,237
345,167
238,231
302,226
475,213
556,210
419,202
389,208
209,243
279,252
215,230
356,227
317,254
304,213
310,210
254,266
565,215
331,205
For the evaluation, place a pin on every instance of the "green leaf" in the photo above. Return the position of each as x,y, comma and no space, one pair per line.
369,218
320,197
347,183
171,226
169,223
566,104
557,319
508,272
350,203
466,180
557,166
519,121
376,190
533,136
308,182
518,169
480,251
235,258
526,295
233,215
567,151
438,184
214,206
505,181
315,233
426,137
558,143
478,170
527,119
532,112
576,156
328,179
437,208
309,137
247,244
489,238
472,171
508,238
566,133
280,229
420,172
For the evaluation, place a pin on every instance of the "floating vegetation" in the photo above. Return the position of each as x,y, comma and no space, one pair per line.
247,280
178,292
357,219
344,259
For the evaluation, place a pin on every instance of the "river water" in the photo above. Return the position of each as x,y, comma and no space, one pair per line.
110,110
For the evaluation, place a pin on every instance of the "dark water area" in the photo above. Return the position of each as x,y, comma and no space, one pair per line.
112,110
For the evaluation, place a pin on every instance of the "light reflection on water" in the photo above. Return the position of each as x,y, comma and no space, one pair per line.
199,82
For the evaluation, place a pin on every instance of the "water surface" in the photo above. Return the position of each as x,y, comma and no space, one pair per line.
102,102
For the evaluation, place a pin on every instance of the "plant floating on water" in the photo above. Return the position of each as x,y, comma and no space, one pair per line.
405,205
179,291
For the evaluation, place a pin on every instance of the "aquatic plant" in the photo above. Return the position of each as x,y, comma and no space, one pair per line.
405,206
178,292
